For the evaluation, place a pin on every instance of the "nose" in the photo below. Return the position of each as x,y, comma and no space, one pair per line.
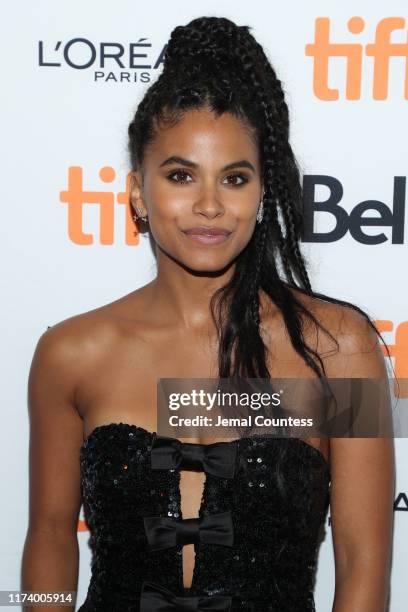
208,204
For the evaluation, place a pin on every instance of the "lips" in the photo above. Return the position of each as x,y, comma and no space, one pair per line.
207,231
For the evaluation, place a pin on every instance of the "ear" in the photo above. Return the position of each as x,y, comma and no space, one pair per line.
135,192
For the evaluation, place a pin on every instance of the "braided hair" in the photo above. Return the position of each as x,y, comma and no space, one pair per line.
213,62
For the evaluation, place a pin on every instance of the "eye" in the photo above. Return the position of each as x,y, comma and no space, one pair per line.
182,176
239,176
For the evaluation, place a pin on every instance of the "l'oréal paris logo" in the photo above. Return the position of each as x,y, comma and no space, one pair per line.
109,61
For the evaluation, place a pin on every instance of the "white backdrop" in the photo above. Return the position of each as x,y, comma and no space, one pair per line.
58,117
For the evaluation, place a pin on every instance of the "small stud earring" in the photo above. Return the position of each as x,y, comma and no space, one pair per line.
259,216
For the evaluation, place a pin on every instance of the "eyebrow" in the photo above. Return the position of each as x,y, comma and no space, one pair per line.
175,159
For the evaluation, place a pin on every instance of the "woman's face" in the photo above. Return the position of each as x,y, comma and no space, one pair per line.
203,172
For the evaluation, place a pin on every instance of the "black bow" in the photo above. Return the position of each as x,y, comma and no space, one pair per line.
163,531
157,598
217,458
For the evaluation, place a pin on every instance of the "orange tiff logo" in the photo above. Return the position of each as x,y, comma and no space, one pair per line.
381,50
398,351
75,197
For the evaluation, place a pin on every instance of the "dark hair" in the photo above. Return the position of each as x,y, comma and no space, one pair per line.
213,62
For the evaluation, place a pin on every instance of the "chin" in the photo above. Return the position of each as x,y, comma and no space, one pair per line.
206,264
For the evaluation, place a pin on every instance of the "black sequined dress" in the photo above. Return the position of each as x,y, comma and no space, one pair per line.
256,535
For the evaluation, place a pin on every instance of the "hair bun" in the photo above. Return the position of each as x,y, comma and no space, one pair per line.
213,38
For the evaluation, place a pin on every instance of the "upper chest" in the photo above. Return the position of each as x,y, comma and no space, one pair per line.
121,368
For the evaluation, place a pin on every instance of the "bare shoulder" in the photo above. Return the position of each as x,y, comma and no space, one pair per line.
350,345
74,342
97,325
349,326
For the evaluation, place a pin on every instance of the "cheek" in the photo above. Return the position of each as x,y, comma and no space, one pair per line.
166,202
242,207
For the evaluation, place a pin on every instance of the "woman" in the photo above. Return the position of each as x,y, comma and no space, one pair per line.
214,177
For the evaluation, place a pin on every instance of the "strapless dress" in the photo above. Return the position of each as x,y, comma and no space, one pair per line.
255,537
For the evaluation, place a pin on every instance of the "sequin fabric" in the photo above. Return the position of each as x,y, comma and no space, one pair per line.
278,500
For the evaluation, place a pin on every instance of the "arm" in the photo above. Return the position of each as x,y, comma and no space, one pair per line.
50,556
362,492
